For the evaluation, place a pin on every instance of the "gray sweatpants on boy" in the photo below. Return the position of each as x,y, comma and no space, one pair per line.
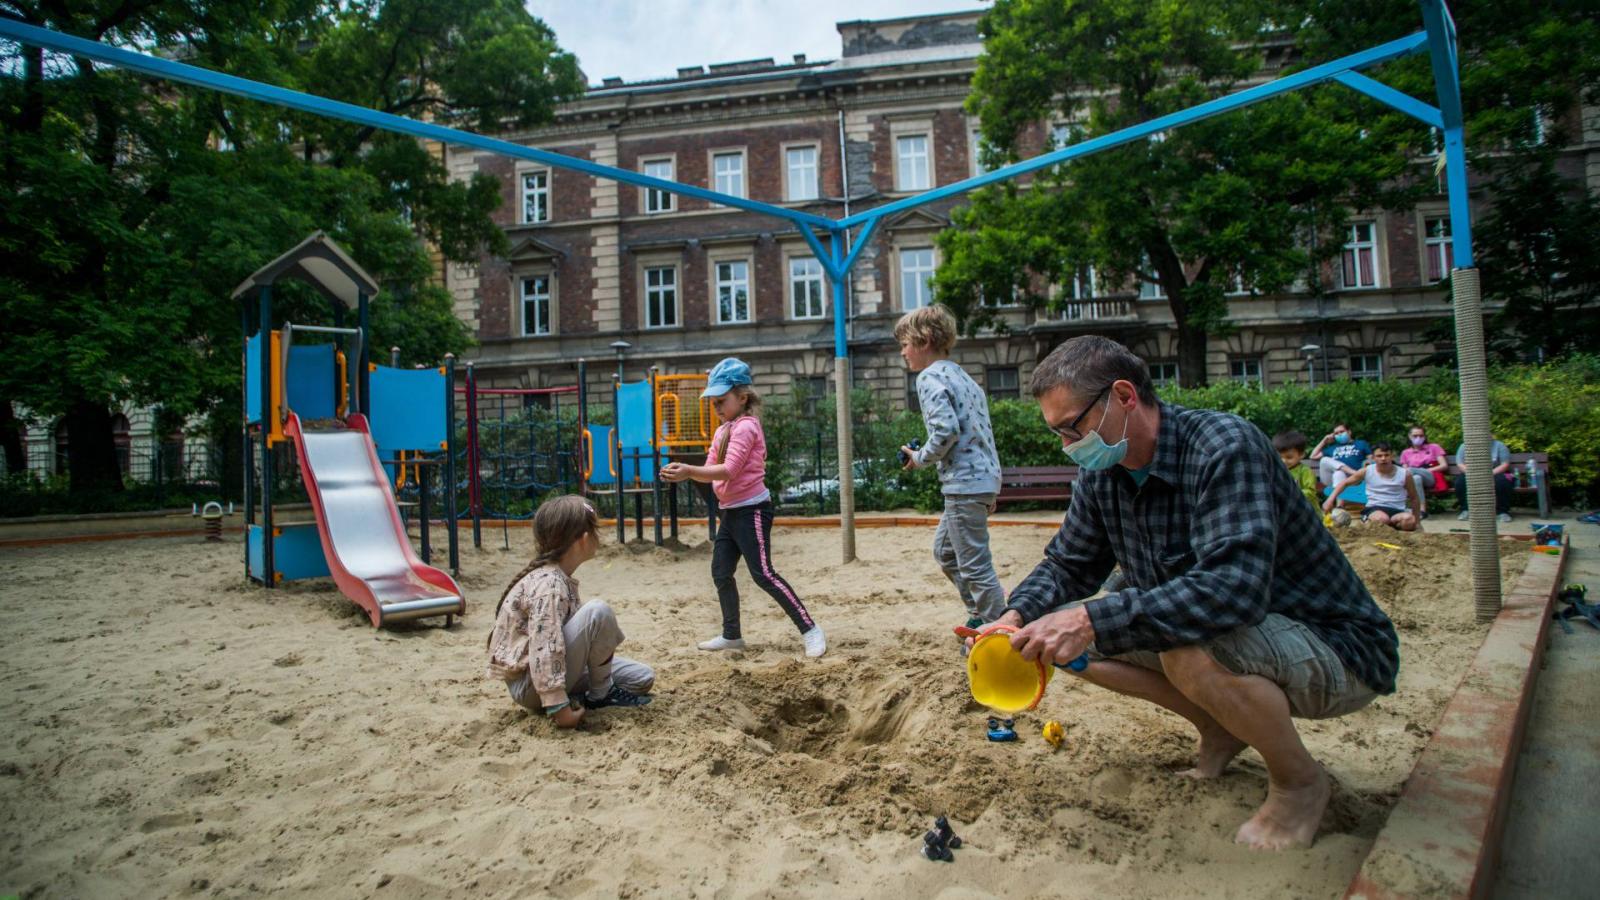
961,546
592,636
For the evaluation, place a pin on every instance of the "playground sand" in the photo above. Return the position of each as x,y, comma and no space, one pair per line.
169,731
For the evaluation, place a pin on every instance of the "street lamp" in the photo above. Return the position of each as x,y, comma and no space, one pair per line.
1310,351
620,347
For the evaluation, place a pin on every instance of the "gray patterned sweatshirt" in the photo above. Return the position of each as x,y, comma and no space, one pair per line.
960,438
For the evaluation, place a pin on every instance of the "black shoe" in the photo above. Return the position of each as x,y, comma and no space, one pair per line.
618,697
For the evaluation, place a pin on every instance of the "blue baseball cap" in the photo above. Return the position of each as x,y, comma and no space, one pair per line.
724,375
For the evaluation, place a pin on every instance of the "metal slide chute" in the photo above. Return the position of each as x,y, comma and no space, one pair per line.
368,551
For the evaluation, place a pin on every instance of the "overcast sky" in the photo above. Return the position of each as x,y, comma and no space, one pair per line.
638,39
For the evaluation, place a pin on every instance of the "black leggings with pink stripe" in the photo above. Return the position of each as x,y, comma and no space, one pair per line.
747,531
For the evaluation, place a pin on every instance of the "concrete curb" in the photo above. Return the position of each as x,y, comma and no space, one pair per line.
1443,838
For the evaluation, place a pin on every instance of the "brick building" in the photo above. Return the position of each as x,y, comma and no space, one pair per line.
686,282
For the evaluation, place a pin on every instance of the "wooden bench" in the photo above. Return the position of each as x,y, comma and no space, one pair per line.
1048,483
1519,468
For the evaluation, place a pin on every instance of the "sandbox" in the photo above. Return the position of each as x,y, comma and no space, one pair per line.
170,731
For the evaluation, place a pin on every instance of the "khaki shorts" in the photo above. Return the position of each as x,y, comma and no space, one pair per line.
1286,653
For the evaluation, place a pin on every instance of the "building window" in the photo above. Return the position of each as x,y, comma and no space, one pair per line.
1366,367
1236,286
1245,371
1438,249
733,292
1003,383
975,147
1083,286
1008,297
916,278
63,454
661,297
1164,373
122,441
805,289
658,201
911,157
801,164
535,197
1359,260
536,305
809,389
1149,290
727,173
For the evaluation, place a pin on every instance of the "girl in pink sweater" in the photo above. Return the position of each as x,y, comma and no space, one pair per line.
736,468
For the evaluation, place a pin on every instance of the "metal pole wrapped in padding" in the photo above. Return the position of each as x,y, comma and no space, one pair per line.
1476,433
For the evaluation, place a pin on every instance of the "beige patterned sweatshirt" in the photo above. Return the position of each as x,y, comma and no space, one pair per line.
527,632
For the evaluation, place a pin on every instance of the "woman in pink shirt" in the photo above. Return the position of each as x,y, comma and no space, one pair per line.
736,467
1425,459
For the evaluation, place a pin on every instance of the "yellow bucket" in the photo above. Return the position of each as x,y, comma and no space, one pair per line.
998,675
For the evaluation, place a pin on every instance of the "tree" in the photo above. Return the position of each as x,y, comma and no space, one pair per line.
1230,202
1526,68
135,206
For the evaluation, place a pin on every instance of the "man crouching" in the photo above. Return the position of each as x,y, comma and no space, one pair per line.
1236,608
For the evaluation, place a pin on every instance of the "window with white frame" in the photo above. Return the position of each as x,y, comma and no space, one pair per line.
1004,297
658,201
1236,286
1083,284
1062,135
1366,367
801,166
535,197
1002,382
1246,371
911,163
975,147
1164,373
916,278
535,305
727,173
733,292
1540,124
1358,262
661,297
805,289
1439,251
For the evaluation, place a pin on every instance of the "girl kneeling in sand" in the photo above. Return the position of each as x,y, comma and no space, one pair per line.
547,644
736,468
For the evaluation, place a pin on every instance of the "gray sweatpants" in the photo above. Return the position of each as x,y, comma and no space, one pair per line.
961,546
592,636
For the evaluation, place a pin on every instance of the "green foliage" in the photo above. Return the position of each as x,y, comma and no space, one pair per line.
1554,408
1234,196
1374,411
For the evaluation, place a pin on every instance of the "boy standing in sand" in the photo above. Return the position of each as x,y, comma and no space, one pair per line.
961,442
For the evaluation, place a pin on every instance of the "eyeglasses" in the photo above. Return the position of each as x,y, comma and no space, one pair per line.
1069,432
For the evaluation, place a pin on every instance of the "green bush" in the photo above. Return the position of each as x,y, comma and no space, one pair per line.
1374,411
1553,408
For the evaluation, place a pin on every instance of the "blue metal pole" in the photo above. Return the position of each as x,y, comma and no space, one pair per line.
837,273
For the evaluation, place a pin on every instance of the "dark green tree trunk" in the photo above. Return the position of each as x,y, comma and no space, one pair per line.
91,454
11,439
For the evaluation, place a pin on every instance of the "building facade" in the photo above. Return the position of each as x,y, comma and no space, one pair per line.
686,282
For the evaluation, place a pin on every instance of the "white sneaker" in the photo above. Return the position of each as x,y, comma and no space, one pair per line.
721,643
1463,516
816,643
1505,517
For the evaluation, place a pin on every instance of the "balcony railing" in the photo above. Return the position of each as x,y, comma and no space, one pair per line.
1107,309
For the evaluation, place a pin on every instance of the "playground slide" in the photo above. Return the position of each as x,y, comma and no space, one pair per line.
368,551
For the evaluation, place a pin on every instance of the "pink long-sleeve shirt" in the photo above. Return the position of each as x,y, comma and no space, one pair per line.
746,459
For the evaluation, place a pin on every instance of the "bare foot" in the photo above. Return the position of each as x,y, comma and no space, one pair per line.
1217,749
1290,816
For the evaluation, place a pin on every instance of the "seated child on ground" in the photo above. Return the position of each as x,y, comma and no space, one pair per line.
1291,447
554,652
1389,488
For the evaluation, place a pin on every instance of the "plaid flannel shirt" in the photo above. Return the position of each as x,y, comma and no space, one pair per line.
1218,536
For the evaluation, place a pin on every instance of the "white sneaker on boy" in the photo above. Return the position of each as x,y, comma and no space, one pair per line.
721,643
816,643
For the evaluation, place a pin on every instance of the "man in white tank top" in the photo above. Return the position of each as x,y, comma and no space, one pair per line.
1391,491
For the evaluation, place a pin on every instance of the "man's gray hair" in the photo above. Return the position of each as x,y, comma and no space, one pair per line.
1089,364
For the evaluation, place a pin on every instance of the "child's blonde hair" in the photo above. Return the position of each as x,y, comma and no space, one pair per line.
557,525
932,327
752,407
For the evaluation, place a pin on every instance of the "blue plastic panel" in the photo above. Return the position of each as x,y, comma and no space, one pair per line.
600,438
296,553
633,414
312,381
408,410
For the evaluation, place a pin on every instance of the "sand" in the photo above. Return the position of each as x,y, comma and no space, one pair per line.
169,731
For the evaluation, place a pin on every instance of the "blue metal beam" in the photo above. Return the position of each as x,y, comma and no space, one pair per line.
253,90
1315,75
1382,93
1447,83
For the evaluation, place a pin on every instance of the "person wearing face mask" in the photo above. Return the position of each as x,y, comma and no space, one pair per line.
1338,455
1426,462
1236,608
